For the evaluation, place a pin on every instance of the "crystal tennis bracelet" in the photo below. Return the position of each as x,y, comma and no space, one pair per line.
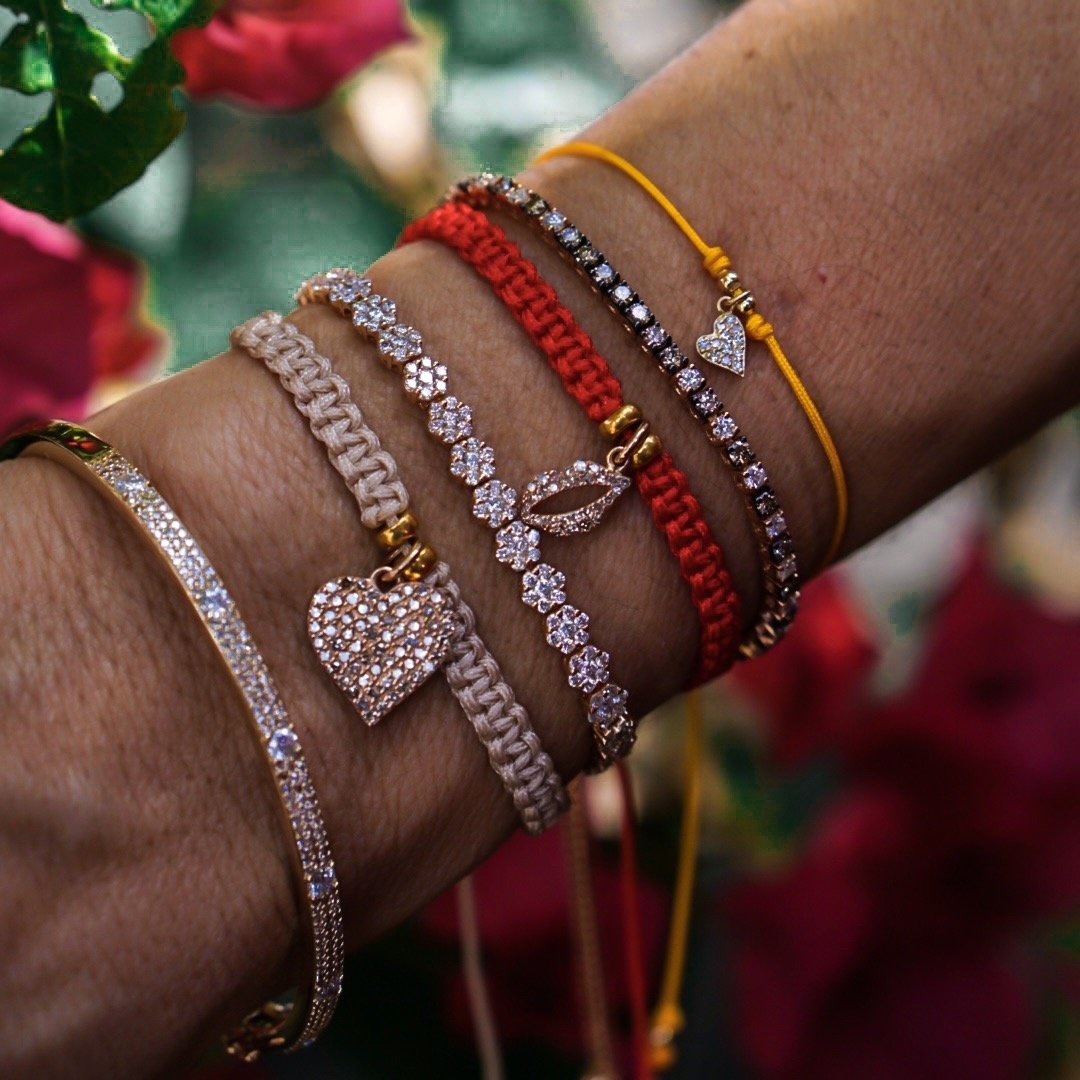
780,577
497,504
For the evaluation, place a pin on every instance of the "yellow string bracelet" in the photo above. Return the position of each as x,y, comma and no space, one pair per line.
718,265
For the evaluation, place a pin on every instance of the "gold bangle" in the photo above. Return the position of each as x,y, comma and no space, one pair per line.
284,1024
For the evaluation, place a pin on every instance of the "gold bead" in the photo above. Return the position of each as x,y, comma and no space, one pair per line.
729,280
645,453
744,303
401,529
624,417
420,564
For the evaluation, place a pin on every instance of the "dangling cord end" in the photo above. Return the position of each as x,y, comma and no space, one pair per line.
632,941
668,1018
472,964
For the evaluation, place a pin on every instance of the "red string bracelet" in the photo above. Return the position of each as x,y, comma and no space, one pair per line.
586,376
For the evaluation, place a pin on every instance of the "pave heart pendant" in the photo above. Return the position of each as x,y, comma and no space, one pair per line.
726,345
582,474
379,646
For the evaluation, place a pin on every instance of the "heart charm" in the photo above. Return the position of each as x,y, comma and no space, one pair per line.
582,474
726,345
381,646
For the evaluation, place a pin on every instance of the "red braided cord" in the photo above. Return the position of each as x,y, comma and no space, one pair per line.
586,376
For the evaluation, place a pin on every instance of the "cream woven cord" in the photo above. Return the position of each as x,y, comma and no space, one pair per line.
370,473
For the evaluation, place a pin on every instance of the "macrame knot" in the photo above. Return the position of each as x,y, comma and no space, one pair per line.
716,261
758,327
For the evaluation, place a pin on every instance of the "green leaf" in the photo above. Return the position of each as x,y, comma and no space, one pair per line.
79,154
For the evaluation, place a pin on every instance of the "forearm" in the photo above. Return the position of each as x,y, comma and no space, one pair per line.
894,207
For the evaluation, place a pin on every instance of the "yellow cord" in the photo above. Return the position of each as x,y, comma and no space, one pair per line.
716,263
668,1018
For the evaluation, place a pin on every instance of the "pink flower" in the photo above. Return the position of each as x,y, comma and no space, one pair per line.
285,54
68,315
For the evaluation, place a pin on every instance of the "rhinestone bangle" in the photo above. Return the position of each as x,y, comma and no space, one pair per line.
776,550
284,1024
496,503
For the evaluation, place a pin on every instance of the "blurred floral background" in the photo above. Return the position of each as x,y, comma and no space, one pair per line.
890,873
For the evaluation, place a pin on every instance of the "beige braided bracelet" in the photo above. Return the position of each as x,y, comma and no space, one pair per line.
370,473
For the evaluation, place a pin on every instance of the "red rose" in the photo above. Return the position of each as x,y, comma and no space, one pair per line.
285,54
68,315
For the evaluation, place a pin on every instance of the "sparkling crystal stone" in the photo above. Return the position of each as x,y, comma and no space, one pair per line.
726,345
672,359
766,503
350,288
704,402
567,628
215,603
655,336
373,313
775,526
517,545
755,476
518,196
283,745
622,294
536,206
450,420
781,548
723,427
588,256
603,275
424,379
400,343
786,569
639,314
588,669
494,503
607,705
689,379
472,461
553,220
739,453
130,485
543,588
570,238
321,882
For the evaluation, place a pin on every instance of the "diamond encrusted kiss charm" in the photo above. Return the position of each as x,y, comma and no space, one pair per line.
726,345
379,646
581,474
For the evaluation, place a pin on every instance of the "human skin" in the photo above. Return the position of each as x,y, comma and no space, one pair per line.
896,183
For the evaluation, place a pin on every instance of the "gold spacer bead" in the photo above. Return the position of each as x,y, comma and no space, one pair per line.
624,417
729,280
649,449
420,564
744,303
401,529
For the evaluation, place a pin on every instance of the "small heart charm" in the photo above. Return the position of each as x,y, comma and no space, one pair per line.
379,646
726,345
